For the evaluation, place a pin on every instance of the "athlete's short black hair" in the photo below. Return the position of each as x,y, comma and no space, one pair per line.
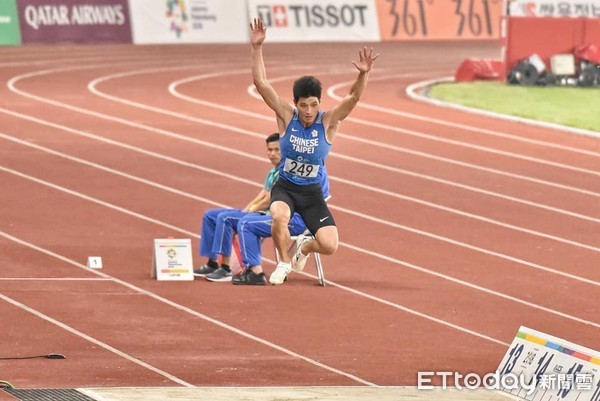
307,86
273,138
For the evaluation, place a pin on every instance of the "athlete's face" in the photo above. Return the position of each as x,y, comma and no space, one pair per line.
273,152
308,108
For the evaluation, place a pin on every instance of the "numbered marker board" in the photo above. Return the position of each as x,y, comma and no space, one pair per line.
172,260
540,367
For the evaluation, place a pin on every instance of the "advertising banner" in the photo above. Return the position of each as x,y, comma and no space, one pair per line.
555,8
189,21
317,20
74,21
9,23
439,19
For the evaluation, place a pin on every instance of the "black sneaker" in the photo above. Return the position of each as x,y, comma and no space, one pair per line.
219,275
248,277
204,270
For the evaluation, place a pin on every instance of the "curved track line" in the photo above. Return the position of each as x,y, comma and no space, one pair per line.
413,89
90,338
173,90
362,250
92,87
331,92
191,312
252,92
191,165
12,86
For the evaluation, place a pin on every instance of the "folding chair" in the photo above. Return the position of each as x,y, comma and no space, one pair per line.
320,274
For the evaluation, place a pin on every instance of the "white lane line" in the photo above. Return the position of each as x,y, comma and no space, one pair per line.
52,279
173,90
371,253
256,134
92,87
192,312
331,92
413,92
235,178
91,339
252,92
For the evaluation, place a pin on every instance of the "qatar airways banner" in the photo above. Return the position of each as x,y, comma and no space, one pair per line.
317,20
74,21
555,8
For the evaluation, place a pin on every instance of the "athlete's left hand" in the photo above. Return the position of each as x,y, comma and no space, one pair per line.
366,60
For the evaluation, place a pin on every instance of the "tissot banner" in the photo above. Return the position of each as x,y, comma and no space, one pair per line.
317,20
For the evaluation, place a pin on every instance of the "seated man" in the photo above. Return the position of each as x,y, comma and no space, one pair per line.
252,228
218,225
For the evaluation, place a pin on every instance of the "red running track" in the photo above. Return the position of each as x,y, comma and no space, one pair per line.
455,229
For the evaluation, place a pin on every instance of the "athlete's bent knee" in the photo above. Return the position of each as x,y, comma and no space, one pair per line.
328,246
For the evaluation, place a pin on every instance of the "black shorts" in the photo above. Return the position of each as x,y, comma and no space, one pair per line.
307,201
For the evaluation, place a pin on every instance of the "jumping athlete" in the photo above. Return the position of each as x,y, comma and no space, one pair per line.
306,135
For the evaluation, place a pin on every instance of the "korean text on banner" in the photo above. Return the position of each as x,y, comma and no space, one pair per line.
74,21
317,21
555,8
189,21
440,19
9,23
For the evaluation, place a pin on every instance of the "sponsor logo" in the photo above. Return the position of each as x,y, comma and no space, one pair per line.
323,219
317,15
79,14
177,16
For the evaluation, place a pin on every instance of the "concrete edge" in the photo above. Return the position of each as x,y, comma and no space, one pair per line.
415,92
297,393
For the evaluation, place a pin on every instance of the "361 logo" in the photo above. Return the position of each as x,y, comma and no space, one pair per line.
273,15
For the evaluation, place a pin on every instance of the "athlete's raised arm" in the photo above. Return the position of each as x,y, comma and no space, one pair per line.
342,110
283,110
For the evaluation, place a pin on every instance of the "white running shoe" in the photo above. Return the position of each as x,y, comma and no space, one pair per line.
280,273
299,259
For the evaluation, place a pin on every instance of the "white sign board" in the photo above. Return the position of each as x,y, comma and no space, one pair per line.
540,367
317,21
172,260
555,8
189,21
94,262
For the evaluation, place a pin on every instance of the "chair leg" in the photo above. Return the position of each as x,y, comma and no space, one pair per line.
320,274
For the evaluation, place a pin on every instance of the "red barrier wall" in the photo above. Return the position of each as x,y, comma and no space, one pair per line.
547,37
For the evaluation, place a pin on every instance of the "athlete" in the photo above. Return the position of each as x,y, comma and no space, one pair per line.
306,135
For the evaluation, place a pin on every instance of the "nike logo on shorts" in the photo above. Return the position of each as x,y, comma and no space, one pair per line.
323,219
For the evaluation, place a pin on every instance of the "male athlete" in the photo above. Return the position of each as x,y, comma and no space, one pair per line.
306,135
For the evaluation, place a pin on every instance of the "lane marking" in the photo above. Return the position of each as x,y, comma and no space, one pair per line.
371,253
183,309
351,212
91,339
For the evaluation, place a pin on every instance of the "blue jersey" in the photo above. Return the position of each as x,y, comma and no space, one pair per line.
303,151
